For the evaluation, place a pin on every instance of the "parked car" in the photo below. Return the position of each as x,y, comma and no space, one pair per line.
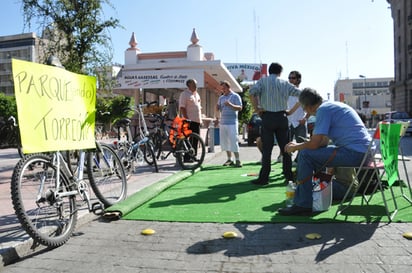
253,129
399,116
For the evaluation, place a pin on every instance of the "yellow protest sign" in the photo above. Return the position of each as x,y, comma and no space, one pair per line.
56,108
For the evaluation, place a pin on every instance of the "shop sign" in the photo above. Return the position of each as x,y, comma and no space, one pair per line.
154,79
247,71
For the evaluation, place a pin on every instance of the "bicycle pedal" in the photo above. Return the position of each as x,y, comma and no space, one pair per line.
97,208
112,215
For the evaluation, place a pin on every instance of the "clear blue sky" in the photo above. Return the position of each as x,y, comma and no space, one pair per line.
324,39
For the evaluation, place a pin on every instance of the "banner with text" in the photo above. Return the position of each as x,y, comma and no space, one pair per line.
246,71
153,79
56,108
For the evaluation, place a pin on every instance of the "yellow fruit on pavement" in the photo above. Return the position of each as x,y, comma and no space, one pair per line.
229,234
407,235
148,231
313,236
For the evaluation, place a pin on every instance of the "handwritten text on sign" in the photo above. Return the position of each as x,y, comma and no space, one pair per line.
56,108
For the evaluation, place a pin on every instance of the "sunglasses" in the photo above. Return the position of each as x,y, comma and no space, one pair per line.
292,78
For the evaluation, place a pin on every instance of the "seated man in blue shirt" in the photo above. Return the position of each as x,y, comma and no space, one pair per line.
337,122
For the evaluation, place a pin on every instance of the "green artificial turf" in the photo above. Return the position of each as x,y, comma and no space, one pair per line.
225,195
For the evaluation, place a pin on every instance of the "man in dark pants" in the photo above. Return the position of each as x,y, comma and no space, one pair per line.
269,98
190,108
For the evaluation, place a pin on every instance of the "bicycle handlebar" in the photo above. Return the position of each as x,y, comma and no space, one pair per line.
136,107
104,113
146,104
12,120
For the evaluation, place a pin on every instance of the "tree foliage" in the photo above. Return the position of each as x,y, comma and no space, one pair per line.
246,113
7,106
109,110
118,106
74,30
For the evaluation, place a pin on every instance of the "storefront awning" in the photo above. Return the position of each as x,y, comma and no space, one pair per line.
173,75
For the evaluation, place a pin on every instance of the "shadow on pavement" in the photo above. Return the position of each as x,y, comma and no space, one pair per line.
264,239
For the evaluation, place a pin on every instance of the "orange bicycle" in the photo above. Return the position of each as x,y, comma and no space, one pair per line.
188,147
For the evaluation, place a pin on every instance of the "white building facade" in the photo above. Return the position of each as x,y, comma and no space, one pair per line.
366,95
162,76
401,87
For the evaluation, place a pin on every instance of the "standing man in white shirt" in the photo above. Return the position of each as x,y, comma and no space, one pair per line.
297,117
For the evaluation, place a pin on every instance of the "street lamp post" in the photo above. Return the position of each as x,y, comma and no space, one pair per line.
364,85
365,105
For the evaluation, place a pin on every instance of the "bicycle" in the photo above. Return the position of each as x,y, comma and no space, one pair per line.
10,135
187,147
44,190
132,151
159,134
100,131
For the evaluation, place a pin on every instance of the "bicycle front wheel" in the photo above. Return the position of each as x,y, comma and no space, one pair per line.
106,175
157,144
44,212
190,151
126,159
149,155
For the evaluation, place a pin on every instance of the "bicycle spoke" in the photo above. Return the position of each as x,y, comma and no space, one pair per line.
47,216
106,175
190,151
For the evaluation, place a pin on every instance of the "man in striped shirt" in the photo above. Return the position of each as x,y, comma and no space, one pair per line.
269,97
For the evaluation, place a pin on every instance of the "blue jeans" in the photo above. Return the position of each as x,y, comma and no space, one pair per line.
310,161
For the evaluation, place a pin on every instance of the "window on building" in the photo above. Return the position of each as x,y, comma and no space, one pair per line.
410,33
4,79
3,67
357,84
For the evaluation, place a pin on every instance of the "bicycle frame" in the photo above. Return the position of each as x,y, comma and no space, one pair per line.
143,131
131,151
77,177
182,141
176,136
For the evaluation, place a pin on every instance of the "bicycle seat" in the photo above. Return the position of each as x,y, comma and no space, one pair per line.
124,122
